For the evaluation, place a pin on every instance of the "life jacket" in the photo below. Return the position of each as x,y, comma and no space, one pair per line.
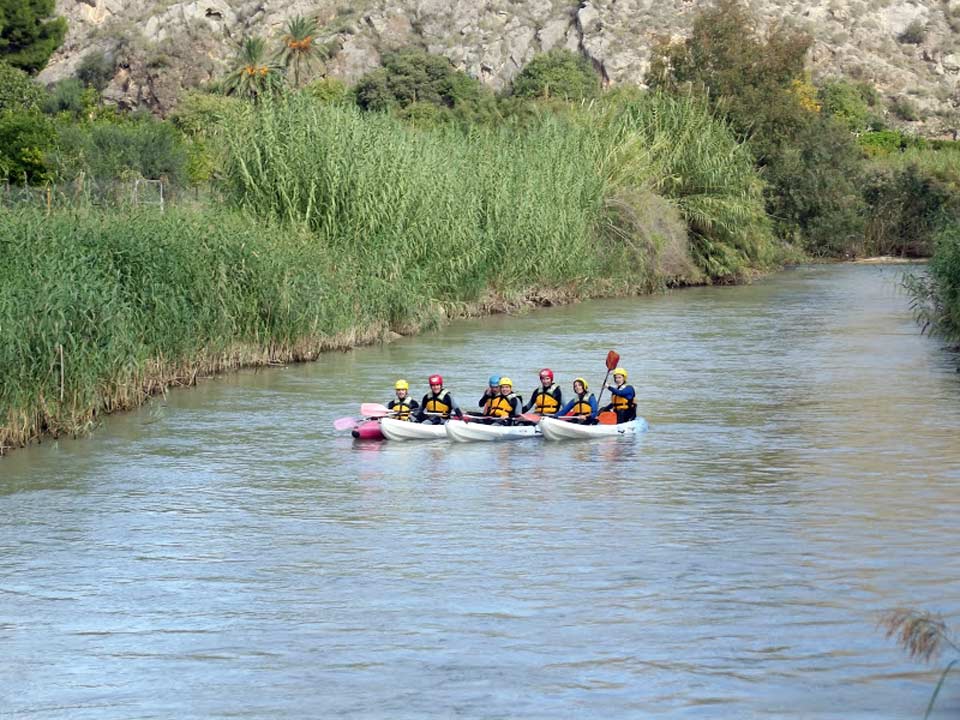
502,405
487,399
582,405
439,403
401,407
621,404
545,401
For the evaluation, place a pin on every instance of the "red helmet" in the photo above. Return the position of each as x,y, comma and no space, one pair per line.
546,372
435,380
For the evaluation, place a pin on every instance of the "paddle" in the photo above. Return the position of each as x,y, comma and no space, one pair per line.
345,423
613,359
374,410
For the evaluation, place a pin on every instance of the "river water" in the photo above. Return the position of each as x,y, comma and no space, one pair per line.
224,553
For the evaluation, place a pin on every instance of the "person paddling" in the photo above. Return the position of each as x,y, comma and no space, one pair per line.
507,405
492,392
624,400
583,406
403,405
547,399
438,404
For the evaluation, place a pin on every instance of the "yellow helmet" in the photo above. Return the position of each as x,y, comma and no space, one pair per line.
401,385
581,380
506,381
620,371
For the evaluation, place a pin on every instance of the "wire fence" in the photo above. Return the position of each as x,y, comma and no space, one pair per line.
84,192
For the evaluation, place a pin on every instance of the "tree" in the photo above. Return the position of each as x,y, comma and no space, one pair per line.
25,138
755,79
299,47
253,76
28,33
413,76
559,74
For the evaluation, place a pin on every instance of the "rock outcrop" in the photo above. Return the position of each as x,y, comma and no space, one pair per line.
904,47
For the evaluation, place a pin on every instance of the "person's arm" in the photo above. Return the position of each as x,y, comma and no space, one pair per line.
414,404
454,408
626,391
517,406
533,401
418,415
566,408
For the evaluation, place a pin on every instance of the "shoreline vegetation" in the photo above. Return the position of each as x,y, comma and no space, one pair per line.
332,216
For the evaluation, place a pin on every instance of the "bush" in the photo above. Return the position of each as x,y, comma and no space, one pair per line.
25,139
904,108
17,90
410,76
105,150
69,96
845,102
96,70
559,74
914,33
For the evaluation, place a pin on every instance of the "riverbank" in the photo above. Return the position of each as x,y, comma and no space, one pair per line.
99,311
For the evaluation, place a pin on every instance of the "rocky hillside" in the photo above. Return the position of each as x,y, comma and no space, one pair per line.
904,47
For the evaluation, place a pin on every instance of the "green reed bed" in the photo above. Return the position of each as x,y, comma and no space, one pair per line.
458,211
99,310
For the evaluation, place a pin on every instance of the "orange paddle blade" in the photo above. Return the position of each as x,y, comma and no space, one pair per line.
613,359
607,418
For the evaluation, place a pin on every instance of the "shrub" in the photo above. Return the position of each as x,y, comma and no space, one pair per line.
914,33
904,108
557,73
410,76
96,70
25,138
69,96
17,90
845,102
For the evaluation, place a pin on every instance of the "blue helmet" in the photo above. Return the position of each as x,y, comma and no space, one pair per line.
494,381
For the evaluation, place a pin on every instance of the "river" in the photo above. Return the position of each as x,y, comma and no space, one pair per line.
224,553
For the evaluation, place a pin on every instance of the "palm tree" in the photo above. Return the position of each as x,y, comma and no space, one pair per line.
253,76
298,45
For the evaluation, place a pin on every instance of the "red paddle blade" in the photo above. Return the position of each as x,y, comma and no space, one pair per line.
530,417
607,418
613,359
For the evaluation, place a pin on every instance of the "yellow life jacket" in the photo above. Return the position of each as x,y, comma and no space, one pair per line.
545,402
438,403
402,408
620,404
502,405
582,406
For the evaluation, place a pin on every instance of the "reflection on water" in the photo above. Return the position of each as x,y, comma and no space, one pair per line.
224,552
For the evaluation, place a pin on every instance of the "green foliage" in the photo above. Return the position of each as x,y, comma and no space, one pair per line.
410,76
812,165
676,148
329,90
104,150
17,90
936,297
96,70
298,48
845,102
25,138
204,114
911,195
122,303
28,34
557,73
884,142
905,108
253,77
69,96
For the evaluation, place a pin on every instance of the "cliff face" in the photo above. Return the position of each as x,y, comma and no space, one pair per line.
904,47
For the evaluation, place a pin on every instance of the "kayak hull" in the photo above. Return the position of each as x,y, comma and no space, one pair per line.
554,429
460,431
394,429
368,430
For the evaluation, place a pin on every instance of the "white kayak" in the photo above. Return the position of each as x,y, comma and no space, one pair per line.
460,431
394,429
554,429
